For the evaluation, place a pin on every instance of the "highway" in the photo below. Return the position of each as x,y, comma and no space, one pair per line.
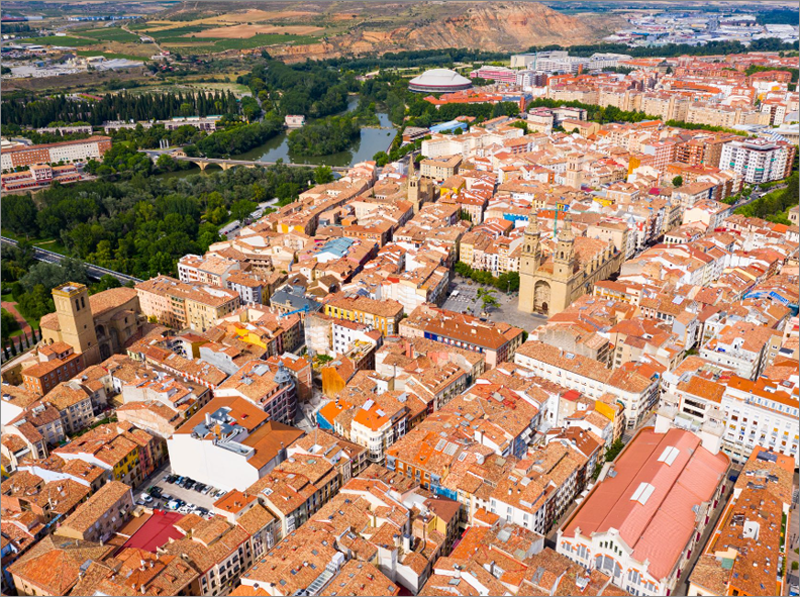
94,271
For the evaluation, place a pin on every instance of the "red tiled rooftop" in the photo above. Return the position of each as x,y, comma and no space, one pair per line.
659,529
156,531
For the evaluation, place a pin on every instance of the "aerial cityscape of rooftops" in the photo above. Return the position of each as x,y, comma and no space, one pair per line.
399,298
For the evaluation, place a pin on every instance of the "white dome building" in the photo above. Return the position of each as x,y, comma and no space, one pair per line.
439,80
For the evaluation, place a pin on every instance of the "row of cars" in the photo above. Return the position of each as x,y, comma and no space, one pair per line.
155,495
191,485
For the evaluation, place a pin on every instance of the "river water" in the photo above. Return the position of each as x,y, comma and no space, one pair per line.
371,141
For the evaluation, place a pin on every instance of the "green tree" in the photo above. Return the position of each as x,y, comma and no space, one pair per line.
50,275
166,163
8,325
614,450
487,297
106,282
242,209
19,214
381,158
677,181
323,174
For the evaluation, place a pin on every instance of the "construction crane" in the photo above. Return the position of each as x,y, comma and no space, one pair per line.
302,310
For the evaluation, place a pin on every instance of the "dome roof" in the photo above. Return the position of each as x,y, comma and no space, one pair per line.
440,77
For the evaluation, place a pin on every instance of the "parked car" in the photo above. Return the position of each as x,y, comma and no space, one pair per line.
145,497
166,497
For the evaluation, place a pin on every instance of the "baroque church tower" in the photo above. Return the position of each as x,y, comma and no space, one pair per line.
529,261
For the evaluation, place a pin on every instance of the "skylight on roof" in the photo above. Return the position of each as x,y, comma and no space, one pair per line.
643,493
669,455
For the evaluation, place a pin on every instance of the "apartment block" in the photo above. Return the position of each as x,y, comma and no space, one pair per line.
80,150
497,342
180,305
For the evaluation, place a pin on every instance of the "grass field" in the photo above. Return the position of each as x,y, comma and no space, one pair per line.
178,31
111,34
54,40
263,39
49,244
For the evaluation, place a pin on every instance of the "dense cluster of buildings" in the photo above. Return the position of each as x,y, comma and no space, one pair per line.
341,426
699,28
710,90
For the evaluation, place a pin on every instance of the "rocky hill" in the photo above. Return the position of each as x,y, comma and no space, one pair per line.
496,26
368,27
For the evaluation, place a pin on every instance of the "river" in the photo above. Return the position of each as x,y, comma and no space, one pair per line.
371,141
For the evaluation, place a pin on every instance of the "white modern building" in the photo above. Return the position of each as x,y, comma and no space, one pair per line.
744,413
760,413
757,160
229,444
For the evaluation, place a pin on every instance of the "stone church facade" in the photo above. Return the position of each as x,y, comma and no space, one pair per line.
549,284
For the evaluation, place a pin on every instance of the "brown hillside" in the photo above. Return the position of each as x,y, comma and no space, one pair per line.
497,26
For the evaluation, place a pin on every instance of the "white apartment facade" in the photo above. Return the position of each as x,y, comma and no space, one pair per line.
757,160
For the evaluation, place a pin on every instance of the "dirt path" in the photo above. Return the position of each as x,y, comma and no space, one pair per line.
12,308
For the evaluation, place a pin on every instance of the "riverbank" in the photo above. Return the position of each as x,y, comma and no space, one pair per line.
372,139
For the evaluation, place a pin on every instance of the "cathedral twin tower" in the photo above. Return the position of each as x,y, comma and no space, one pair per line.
549,284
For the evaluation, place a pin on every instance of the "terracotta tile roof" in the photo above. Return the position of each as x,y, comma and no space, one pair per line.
659,529
54,563
360,579
110,299
66,394
97,506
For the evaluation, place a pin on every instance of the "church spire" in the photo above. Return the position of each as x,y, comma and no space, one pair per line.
533,222
566,233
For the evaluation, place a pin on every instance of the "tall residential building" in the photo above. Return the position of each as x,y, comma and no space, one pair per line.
758,160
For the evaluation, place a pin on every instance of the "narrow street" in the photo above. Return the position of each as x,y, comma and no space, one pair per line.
683,585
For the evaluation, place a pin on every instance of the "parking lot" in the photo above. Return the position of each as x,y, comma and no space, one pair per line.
189,496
